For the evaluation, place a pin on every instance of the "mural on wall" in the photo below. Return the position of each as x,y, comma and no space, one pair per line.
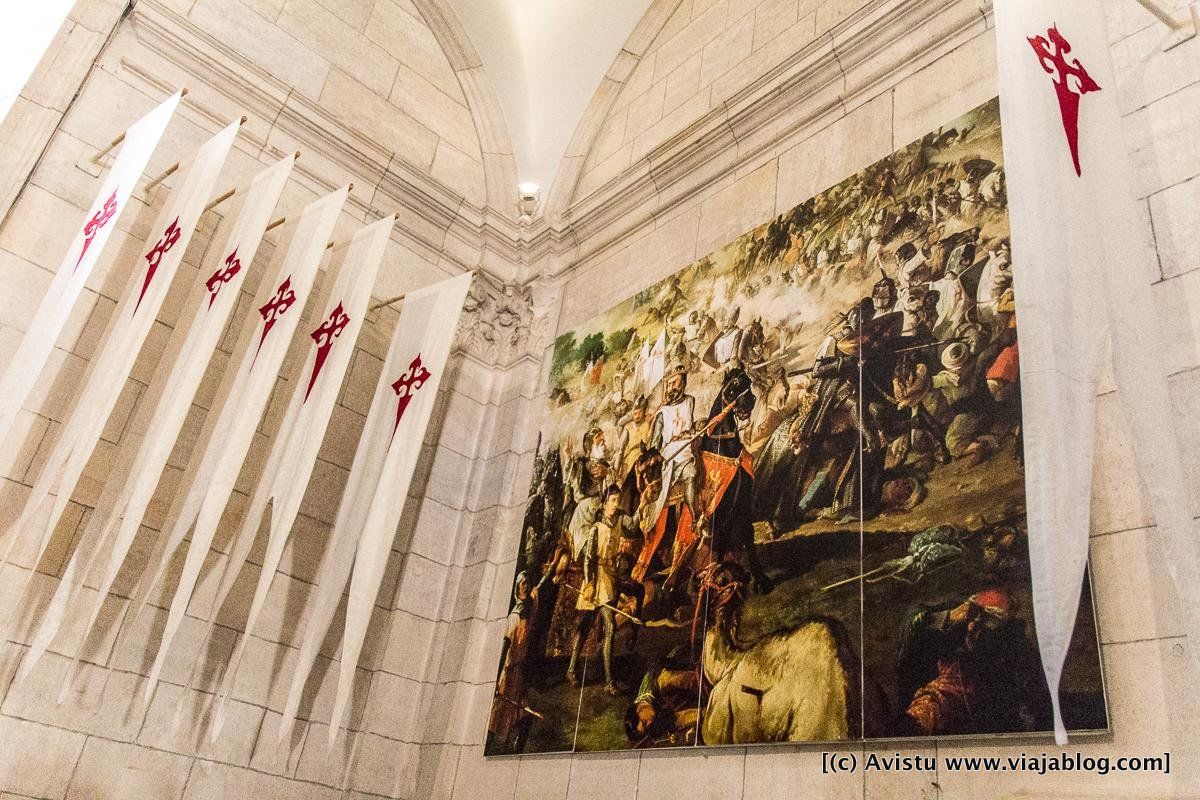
780,495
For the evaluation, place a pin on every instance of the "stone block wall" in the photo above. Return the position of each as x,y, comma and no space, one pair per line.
296,70
687,99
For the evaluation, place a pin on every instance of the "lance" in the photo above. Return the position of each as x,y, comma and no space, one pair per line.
515,704
978,263
810,370
610,606
724,412
931,344
895,565
806,371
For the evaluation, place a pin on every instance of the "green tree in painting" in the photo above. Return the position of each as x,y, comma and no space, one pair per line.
618,341
564,354
591,349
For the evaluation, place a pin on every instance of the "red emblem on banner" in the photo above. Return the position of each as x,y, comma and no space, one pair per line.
407,385
98,221
1071,82
155,256
275,308
330,329
222,276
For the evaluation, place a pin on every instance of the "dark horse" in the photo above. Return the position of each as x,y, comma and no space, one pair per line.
726,477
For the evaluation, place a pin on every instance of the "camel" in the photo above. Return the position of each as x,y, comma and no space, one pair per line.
794,685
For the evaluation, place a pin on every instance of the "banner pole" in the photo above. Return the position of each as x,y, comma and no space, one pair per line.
115,143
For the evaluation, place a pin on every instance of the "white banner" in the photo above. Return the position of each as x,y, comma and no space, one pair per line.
374,498
127,330
655,365
114,523
1082,275
294,451
230,430
59,301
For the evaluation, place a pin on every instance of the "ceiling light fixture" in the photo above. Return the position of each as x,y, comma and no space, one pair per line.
528,196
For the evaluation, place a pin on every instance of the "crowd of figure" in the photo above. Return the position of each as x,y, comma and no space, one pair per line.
623,522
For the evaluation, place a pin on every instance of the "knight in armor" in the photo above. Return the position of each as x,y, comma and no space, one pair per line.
726,349
915,271
634,436
827,458
594,466
883,294
673,512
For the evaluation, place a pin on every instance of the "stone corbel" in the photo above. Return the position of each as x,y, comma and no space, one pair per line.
496,321
502,323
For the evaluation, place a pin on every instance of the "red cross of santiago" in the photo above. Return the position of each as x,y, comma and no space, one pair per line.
408,385
329,330
93,226
283,299
223,275
169,238
1071,81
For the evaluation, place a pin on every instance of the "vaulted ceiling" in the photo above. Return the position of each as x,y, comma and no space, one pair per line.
546,58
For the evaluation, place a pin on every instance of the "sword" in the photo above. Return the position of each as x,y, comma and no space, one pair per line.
627,615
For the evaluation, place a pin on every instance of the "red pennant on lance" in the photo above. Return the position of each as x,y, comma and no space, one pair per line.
275,308
93,226
1071,82
155,256
223,275
330,329
408,385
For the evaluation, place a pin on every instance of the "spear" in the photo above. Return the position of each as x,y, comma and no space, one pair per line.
625,614
526,709
930,344
683,444
895,565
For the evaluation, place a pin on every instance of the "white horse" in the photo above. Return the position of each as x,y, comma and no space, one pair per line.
790,686
991,188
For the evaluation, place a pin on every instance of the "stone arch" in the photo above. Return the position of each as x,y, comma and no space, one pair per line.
495,141
596,117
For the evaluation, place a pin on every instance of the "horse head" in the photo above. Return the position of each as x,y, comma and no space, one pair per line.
732,405
735,392
723,588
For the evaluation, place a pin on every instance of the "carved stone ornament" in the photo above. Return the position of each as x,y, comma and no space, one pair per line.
496,321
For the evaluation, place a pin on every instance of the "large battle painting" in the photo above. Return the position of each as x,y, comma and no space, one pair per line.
779,495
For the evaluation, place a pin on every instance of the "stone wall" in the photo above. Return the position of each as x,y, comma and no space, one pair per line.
299,75
737,110
375,65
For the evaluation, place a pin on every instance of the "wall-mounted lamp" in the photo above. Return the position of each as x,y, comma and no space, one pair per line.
529,195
